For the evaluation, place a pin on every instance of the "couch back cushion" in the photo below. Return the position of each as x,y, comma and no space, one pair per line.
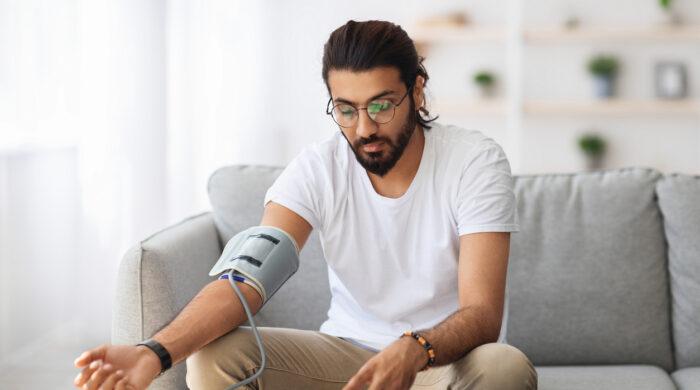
236,194
587,272
679,199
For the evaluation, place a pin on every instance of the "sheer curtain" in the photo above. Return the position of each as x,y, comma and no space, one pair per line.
40,223
144,99
122,137
215,86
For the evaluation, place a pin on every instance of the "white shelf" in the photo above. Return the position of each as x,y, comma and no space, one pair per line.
585,107
613,106
475,34
453,34
642,34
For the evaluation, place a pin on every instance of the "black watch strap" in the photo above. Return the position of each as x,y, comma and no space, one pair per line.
163,354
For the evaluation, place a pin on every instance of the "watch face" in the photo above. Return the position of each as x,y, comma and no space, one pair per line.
670,80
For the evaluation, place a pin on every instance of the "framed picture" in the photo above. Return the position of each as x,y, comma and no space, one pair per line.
670,80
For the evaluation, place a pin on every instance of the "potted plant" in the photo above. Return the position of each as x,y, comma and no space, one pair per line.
485,80
571,22
604,69
668,15
593,148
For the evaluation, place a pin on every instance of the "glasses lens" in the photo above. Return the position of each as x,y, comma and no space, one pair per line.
344,114
381,111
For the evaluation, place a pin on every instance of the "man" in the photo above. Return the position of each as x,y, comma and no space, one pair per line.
415,219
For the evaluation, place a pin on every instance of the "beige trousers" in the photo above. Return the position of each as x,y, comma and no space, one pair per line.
309,360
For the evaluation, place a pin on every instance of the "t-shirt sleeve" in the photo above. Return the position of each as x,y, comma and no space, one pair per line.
486,199
296,188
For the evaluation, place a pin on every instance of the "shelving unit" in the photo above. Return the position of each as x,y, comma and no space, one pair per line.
613,107
566,107
514,107
640,34
454,34
472,34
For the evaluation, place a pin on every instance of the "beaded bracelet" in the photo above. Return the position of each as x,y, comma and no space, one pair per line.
428,347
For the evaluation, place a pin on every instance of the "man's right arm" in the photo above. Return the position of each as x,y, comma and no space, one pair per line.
213,312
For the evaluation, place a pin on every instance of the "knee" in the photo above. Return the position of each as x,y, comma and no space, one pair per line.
226,360
495,366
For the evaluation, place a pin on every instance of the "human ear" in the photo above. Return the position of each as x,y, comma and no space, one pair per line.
418,91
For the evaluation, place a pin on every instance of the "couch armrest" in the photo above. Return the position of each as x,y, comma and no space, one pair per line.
158,277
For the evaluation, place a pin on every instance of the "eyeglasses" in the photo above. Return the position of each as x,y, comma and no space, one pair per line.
380,110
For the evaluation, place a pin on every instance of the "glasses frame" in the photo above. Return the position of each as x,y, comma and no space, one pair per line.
330,109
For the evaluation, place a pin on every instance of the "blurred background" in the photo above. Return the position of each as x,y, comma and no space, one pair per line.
113,114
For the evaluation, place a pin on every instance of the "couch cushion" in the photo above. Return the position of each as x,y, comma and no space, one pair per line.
587,272
679,199
603,378
236,194
687,378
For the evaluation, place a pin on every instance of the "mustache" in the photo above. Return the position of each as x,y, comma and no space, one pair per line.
373,138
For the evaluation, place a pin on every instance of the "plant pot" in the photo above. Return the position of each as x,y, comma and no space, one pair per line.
604,86
594,162
668,17
487,91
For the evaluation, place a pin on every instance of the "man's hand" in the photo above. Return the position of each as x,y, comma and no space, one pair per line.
119,367
393,368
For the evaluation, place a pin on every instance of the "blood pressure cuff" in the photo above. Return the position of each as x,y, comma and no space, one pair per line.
263,257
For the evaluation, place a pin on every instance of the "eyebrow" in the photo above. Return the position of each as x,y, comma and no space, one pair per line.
387,92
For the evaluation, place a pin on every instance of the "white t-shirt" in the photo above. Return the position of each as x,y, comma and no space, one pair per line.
392,262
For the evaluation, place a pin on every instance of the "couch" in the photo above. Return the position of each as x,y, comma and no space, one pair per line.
603,278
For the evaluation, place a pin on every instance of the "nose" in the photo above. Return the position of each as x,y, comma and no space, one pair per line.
365,125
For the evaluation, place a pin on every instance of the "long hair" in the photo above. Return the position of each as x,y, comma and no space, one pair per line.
361,46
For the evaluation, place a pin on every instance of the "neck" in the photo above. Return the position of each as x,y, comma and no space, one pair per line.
399,178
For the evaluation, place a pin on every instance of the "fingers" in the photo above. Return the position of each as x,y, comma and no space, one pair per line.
111,381
99,376
378,385
85,375
123,385
363,376
89,356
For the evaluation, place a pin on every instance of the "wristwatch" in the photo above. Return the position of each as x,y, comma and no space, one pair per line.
163,354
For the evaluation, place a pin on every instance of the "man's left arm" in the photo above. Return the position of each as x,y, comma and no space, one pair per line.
483,264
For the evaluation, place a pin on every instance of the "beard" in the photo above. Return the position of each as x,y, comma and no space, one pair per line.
381,162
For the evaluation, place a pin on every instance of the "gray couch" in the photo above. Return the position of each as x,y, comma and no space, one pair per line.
603,279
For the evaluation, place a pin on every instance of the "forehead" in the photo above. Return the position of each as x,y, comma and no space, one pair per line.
361,86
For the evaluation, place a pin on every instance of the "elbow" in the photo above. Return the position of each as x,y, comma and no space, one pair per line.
492,337
492,326
487,321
